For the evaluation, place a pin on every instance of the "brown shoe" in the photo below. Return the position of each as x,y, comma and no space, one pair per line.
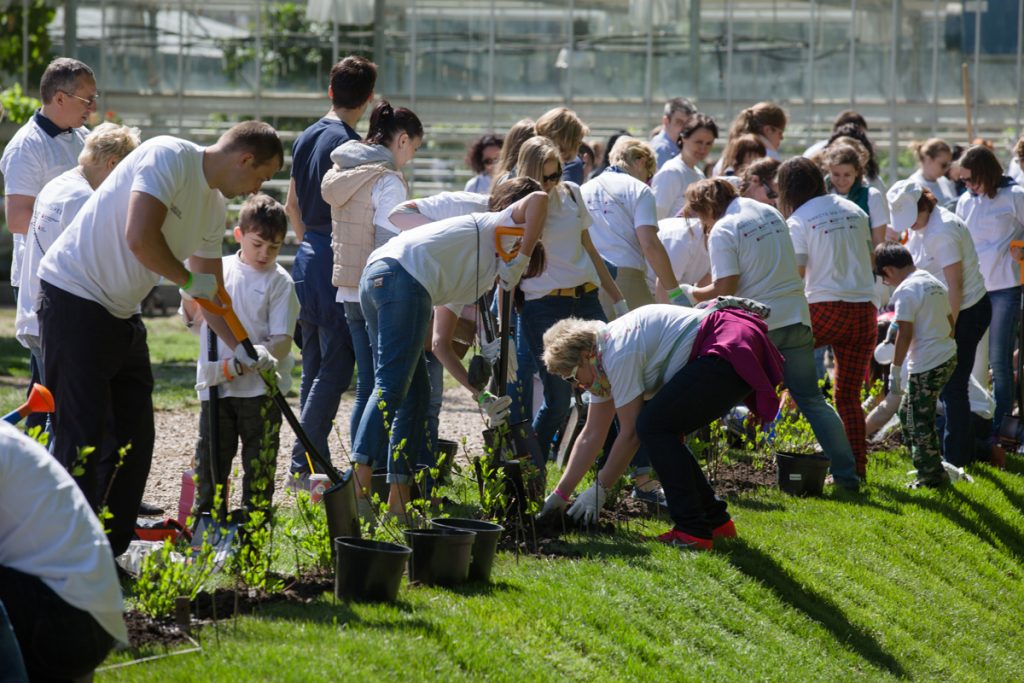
998,456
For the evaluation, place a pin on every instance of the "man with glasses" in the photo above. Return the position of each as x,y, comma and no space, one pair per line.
42,149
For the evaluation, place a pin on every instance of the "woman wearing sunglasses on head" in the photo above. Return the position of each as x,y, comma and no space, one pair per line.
933,158
758,181
993,209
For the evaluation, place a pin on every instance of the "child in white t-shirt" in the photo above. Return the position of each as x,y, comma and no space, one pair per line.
263,297
925,343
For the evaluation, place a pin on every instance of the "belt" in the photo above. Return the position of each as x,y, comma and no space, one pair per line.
574,292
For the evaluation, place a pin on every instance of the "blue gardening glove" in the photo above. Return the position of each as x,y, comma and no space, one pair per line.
588,504
263,361
201,286
512,272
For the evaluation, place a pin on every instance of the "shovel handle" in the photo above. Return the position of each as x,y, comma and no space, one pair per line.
225,311
507,231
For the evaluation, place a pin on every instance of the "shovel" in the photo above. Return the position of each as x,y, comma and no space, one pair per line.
40,400
340,499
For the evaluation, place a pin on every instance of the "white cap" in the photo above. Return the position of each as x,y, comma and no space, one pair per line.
903,198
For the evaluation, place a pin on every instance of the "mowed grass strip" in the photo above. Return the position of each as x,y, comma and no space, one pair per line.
886,584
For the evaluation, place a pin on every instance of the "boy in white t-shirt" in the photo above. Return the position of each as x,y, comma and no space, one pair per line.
263,297
925,342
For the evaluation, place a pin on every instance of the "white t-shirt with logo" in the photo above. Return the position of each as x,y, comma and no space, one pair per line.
833,234
670,183
683,239
48,530
945,241
567,263
993,223
55,207
924,301
92,259
942,187
267,306
30,160
619,204
752,240
455,259
645,348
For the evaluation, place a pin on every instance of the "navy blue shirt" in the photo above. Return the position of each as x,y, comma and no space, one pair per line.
573,171
311,159
311,272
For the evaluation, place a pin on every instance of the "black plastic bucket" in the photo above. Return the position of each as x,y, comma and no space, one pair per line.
340,507
366,570
485,546
446,451
801,474
440,556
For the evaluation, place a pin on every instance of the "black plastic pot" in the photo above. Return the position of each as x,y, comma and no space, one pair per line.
440,556
379,485
340,507
801,474
366,570
447,449
485,545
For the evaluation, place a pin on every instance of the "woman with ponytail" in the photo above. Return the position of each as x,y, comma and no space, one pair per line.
766,120
365,184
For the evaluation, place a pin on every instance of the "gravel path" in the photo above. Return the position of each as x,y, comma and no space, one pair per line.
177,430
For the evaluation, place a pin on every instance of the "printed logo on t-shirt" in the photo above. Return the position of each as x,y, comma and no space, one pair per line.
760,229
830,222
175,210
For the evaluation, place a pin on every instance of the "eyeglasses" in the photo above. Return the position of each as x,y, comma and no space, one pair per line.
968,180
769,192
89,102
553,177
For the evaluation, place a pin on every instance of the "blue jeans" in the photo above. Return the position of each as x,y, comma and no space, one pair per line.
435,372
397,310
1001,337
363,350
796,344
958,439
327,364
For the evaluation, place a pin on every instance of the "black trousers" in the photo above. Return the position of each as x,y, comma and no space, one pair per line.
700,393
97,367
58,642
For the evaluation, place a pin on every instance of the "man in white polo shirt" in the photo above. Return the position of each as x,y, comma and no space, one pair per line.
162,204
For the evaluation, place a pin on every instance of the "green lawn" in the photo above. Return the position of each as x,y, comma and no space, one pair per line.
886,584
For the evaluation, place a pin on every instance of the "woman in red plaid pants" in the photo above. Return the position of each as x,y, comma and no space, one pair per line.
833,243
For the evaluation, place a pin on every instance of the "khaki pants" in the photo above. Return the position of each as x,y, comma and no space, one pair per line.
632,283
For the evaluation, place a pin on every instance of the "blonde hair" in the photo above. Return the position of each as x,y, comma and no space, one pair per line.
534,153
930,148
108,140
564,128
628,151
566,341
521,131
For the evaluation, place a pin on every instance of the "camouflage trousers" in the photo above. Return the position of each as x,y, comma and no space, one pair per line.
917,417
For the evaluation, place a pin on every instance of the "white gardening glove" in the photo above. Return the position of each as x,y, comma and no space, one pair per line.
588,504
682,296
554,505
490,350
263,361
495,408
895,380
620,307
212,374
512,272
201,286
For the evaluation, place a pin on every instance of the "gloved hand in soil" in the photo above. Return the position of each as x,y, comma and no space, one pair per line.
212,374
554,504
588,504
201,286
264,360
495,408
512,272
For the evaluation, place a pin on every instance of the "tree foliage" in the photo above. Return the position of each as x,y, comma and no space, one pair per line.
39,47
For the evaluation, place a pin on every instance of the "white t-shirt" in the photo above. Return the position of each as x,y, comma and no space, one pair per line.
942,188
878,208
448,205
568,263
31,159
56,206
388,192
1014,171
266,305
480,184
923,301
619,204
683,239
643,349
751,240
833,234
993,223
455,259
48,530
945,241
669,185
92,259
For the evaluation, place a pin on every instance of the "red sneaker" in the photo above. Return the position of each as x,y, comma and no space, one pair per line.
684,541
727,530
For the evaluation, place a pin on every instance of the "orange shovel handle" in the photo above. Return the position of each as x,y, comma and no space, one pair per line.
507,231
225,311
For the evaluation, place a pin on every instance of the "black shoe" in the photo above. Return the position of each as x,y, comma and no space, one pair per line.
150,510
